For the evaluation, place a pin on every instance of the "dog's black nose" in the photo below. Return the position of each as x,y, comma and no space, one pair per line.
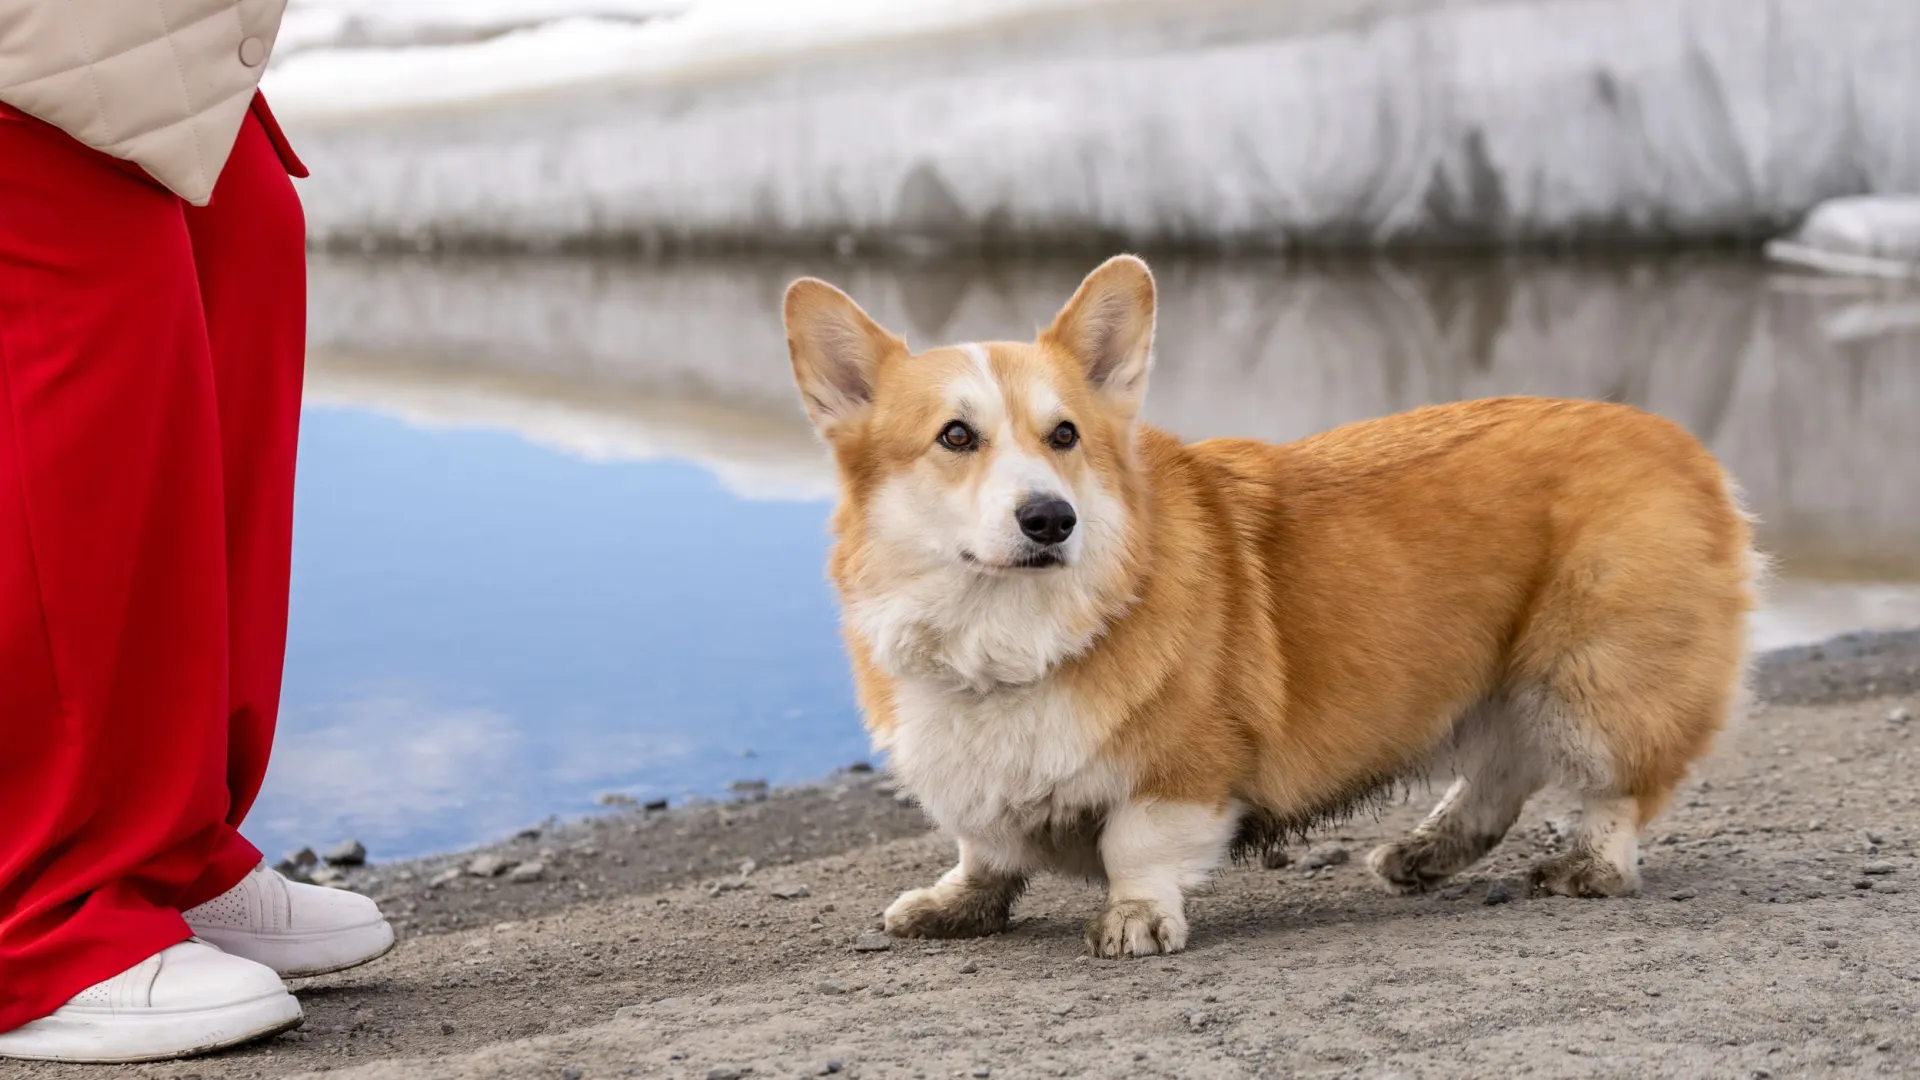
1047,521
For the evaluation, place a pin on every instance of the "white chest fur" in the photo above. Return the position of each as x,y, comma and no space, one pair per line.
973,633
1002,768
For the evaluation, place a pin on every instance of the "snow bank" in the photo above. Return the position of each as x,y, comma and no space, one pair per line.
1098,123
1866,235
391,24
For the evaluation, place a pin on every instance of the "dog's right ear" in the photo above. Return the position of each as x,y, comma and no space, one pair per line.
836,349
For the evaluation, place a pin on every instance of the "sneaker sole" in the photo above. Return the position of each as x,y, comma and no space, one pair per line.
303,956
107,1038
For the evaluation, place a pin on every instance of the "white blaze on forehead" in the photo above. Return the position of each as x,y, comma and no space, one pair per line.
982,363
975,389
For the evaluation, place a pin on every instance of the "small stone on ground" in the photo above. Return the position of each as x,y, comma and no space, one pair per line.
488,865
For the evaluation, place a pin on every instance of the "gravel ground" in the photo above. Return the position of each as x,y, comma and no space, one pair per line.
1775,936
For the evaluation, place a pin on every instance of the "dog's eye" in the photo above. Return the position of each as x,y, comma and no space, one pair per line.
957,436
1065,436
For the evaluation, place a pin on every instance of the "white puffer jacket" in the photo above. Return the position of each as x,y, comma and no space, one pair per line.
164,84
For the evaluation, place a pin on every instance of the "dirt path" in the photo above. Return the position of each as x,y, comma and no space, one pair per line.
1778,934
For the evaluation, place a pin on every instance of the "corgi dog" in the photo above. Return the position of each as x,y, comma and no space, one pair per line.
1089,647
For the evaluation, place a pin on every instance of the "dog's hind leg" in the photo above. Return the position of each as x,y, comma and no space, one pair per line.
1621,725
1497,769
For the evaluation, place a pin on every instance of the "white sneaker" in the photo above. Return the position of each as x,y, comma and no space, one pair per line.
294,929
181,1001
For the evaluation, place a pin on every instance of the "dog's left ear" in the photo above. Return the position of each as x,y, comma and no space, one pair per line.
1108,327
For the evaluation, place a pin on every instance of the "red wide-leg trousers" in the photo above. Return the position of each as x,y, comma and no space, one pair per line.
151,357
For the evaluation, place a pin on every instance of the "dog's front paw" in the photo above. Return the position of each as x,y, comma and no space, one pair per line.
1136,928
947,910
1582,873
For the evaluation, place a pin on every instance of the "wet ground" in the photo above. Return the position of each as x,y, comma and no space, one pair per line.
561,522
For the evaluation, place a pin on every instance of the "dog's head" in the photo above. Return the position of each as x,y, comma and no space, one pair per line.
991,459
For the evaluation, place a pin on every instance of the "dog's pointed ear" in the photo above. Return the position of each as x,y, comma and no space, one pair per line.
836,350
1108,327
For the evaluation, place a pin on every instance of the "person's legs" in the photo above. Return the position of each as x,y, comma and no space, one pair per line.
114,631
249,247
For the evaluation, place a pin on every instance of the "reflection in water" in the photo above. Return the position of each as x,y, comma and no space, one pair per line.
1810,396
487,630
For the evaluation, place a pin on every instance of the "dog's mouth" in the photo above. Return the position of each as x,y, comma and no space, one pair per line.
1045,558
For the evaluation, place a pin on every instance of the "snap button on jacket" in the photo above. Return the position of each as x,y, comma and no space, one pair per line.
164,84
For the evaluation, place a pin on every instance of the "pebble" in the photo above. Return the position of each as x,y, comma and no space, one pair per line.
904,798
571,1072
1863,884
726,885
831,987
872,942
1683,894
1497,893
1199,1021
969,968
1319,857
832,1066
1062,1009
446,1027
725,1072
753,789
1875,838
302,858
981,1071
526,873
860,767
654,804
789,891
445,877
330,877
346,853
1454,892
1882,867
1899,714
488,866
1276,858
